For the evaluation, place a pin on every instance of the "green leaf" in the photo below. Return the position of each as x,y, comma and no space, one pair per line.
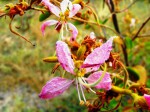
44,16
133,75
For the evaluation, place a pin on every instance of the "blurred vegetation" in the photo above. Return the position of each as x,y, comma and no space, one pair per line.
23,73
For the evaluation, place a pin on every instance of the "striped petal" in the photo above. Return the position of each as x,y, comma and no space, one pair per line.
64,56
54,9
73,9
64,5
47,23
99,55
73,30
55,87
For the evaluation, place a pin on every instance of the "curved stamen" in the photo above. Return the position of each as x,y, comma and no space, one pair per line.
82,92
78,90
96,82
89,87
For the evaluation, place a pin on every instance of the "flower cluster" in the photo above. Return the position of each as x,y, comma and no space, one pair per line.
86,61
97,79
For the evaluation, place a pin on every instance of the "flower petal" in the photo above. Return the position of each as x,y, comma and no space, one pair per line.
54,9
47,23
54,87
64,56
74,9
104,84
99,55
147,98
64,5
73,30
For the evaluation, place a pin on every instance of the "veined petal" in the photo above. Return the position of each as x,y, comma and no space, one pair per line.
74,9
54,9
73,30
47,23
105,82
54,87
147,98
64,56
64,5
99,55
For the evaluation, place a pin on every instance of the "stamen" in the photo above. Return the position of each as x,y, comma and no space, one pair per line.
82,93
96,82
78,90
89,87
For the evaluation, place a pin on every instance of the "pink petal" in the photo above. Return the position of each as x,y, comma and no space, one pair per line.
54,87
99,55
74,31
147,98
64,5
105,82
74,9
64,56
54,9
47,23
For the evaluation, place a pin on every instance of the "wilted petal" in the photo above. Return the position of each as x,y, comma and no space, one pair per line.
74,9
54,9
54,87
64,56
64,5
73,30
47,23
147,98
99,55
105,82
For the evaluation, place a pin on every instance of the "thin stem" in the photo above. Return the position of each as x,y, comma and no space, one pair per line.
142,26
95,15
10,27
94,23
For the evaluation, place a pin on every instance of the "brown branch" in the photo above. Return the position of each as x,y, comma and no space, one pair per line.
111,7
142,26
120,11
10,27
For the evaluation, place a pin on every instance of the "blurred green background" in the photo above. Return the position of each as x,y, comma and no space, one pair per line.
23,73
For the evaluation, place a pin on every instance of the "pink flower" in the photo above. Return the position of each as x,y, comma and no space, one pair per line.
98,56
67,10
99,80
147,98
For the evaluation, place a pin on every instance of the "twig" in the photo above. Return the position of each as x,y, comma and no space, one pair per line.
144,23
111,7
10,27
120,11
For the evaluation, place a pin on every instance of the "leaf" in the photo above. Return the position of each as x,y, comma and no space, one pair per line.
44,16
138,73
54,87
133,75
